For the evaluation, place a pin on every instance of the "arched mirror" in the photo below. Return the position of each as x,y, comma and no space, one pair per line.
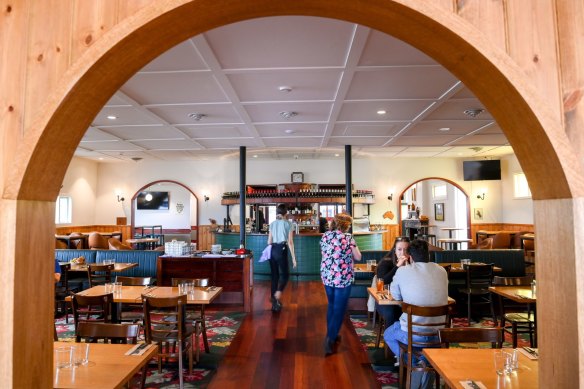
166,210
440,204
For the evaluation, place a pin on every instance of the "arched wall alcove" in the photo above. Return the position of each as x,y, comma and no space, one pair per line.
196,204
399,213
42,157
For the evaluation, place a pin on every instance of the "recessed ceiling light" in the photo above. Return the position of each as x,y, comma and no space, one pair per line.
444,129
336,155
100,158
255,155
381,112
285,88
112,117
290,131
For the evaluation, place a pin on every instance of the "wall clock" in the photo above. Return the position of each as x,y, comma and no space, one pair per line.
297,177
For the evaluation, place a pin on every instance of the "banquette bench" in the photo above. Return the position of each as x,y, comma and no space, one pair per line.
145,259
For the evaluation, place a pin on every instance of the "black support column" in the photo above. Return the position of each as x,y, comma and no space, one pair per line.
348,180
242,193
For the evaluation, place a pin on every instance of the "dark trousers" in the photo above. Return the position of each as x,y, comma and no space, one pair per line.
279,267
338,298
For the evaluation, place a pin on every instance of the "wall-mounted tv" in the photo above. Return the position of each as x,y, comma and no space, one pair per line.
482,170
153,200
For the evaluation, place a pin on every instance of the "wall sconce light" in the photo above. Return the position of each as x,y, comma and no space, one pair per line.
481,196
390,197
120,198
206,198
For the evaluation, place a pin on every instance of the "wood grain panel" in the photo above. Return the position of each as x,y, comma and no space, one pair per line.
27,305
559,262
570,15
49,47
487,16
532,34
127,8
91,19
13,21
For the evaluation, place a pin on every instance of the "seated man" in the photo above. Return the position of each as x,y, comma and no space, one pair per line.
421,283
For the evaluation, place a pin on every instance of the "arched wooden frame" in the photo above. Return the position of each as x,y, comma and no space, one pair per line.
158,182
399,215
41,154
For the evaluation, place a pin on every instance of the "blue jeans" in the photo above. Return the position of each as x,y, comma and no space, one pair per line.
338,298
392,335
279,267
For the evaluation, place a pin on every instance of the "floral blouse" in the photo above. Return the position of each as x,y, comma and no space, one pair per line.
336,267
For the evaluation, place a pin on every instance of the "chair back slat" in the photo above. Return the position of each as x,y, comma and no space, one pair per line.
195,281
494,335
479,276
512,281
134,281
108,332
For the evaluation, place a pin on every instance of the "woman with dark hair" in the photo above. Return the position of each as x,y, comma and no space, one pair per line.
336,270
281,237
386,268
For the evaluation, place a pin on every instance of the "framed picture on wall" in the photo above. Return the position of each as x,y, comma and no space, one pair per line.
439,212
478,214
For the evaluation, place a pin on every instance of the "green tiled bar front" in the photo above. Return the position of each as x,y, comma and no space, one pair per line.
307,248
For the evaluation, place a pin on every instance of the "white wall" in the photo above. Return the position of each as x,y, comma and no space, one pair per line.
80,183
382,175
170,218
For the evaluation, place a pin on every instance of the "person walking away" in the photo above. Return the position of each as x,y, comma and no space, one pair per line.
336,270
281,237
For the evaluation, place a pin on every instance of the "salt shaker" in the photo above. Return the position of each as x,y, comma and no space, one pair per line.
533,288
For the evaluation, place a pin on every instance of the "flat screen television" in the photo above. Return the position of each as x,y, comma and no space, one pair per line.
481,170
153,200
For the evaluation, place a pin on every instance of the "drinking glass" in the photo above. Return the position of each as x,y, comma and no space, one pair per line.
109,287
117,288
502,362
386,289
81,354
370,264
379,284
63,357
182,289
464,262
514,360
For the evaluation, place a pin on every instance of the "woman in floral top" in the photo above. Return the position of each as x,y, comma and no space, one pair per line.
336,270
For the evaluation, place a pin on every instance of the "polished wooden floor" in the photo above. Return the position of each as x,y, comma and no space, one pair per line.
285,349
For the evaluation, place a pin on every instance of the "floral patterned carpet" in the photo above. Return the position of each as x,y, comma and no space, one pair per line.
383,367
221,329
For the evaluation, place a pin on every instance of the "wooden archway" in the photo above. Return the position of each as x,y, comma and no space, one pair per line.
460,188
58,76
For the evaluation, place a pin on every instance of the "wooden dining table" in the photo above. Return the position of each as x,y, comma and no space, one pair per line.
452,243
462,364
108,366
70,240
142,243
118,266
456,267
385,298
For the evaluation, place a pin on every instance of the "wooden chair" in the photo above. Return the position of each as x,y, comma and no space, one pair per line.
494,335
476,288
521,316
63,289
110,333
133,312
414,346
97,241
198,313
92,308
165,324
134,281
99,274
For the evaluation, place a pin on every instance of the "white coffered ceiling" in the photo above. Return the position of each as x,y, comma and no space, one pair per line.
339,76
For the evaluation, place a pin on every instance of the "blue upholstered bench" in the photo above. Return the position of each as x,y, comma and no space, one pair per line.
511,261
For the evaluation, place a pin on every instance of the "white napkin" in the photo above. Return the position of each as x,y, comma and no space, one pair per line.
212,256
468,384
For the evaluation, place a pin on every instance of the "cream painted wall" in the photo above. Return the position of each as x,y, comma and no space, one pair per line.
170,218
514,210
382,175
80,183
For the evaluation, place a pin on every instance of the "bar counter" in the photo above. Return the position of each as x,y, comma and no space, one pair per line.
307,248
